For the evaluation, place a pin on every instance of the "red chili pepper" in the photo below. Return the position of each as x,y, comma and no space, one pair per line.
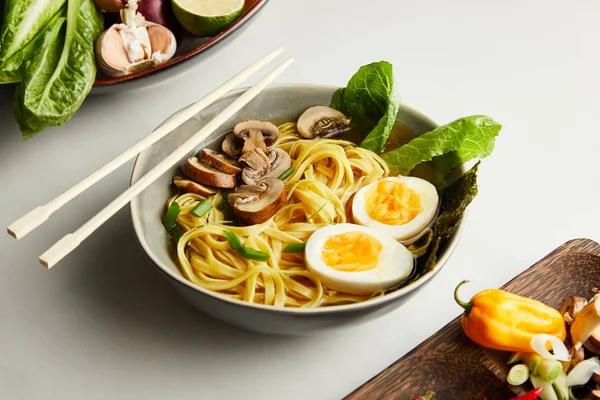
531,395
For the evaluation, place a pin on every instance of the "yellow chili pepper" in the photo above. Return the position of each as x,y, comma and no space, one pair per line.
505,321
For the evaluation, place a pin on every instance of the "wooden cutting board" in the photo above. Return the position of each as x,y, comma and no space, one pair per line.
455,368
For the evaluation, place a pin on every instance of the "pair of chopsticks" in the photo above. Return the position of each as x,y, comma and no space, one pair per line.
40,214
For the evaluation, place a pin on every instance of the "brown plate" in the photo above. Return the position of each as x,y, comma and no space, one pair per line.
452,366
189,46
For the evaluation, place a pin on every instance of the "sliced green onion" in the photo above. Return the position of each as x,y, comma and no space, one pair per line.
316,212
170,219
201,209
515,358
286,173
549,369
294,248
177,234
236,245
234,241
533,361
560,386
252,254
518,375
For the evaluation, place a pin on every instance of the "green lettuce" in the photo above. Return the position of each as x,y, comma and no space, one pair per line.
23,20
371,98
62,72
448,145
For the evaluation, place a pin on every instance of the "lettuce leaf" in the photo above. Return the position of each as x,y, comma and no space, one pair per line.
371,98
448,145
61,74
23,20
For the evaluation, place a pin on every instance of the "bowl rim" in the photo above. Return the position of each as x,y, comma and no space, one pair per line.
374,302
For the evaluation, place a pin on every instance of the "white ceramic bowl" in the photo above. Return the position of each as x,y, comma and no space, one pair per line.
277,103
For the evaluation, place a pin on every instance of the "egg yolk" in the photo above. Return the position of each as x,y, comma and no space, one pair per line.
392,203
351,252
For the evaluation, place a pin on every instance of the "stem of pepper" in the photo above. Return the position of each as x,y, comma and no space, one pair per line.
466,306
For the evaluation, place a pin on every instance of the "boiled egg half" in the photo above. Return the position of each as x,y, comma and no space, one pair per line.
400,207
355,259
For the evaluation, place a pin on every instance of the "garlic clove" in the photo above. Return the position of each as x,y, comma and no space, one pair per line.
121,54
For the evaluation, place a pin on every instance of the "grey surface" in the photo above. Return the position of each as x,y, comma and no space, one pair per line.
279,102
104,325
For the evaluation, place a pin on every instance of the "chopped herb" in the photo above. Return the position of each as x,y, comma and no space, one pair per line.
286,173
316,212
170,219
255,254
201,209
177,234
294,248
236,245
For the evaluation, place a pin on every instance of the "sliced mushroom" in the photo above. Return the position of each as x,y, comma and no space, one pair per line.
321,121
232,146
571,307
188,186
257,159
586,323
256,135
595,394
220,161
593,343
278,159
254,204
207,175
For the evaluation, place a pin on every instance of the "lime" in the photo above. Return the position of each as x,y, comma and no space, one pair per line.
207,17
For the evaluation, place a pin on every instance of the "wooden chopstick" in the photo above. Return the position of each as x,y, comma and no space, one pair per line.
72,240
40,214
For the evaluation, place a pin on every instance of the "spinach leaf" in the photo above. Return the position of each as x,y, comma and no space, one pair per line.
23,20
457,142
61,74
371,98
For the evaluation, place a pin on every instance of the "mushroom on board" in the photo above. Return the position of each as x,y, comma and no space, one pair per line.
250,135
586,323
188,186
208,175
255,204
220,161
261,165
135,45
571,307
321,121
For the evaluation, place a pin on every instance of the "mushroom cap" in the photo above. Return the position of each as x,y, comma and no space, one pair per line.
232,146
279,161
322,121
188,186
269,131
254,204
220,161
208,175
571,307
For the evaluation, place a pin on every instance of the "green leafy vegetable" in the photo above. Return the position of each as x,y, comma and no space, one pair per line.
236,245
286,173
170,218
10,77
457,142
294,248
62,72
201,208
371,98
23,20
454,201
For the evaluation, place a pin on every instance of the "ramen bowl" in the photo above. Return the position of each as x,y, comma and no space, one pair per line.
278,103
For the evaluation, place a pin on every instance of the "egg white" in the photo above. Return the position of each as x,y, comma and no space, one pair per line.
412,230
395,262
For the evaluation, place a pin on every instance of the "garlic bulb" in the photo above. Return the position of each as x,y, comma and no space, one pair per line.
134,45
